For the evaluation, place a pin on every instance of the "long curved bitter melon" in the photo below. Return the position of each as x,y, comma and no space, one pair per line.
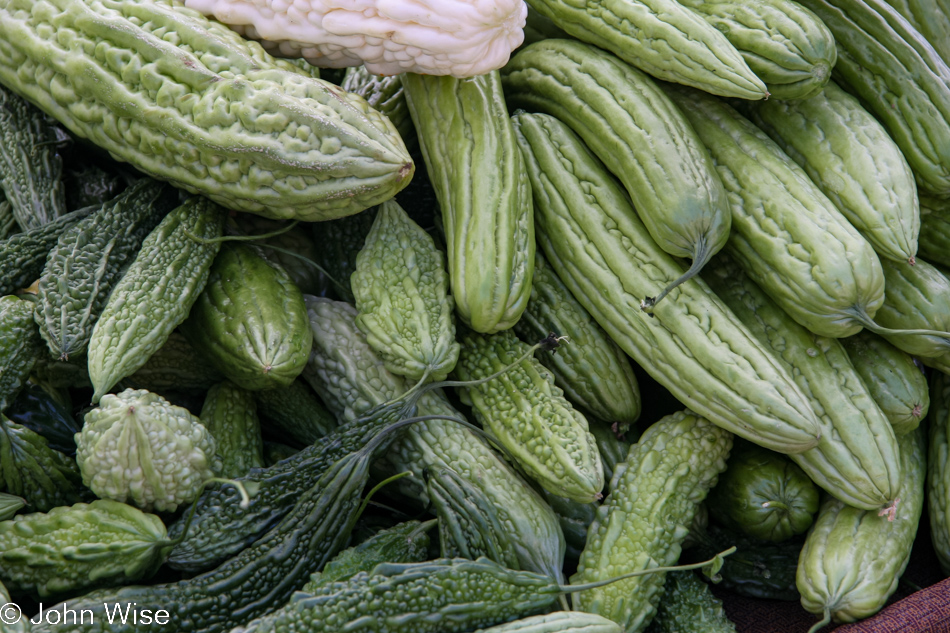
593,239
786,234
187,100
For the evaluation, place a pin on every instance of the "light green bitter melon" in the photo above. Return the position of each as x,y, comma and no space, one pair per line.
155,294
401,291
589,367
79,547
786,234
645,518
529,415
593,239
857,458
853,559
661,38
352,379
632,126
187,100
853,160
88,260
472,161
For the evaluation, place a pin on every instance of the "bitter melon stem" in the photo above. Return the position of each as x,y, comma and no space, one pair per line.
701,257
825,621
710,567
862,317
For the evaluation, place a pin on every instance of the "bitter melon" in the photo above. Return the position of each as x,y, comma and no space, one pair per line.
155,294
185,99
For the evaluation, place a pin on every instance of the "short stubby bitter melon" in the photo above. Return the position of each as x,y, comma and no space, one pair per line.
401,290
250,321
185,99
530,416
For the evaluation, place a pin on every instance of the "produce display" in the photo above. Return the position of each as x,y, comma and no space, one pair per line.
494,316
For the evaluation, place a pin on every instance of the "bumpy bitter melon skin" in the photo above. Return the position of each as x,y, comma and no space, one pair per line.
897,384
473,164
230,415
351,379
763,494
221,527
857,458
252,583
31,168
23,255
784,44
661,38
589,367
401,291
406,542
934,240
557,622
469,526
385,94
646,516
899,77
686,344
88,260
250,320
786,234
529,415
852,559
446,595
931,18
853,160
137,447
20,346
80,547
31,469
634,128
689,606
155,294
185,99
938,463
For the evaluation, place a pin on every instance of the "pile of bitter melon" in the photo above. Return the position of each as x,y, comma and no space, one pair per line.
664,302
